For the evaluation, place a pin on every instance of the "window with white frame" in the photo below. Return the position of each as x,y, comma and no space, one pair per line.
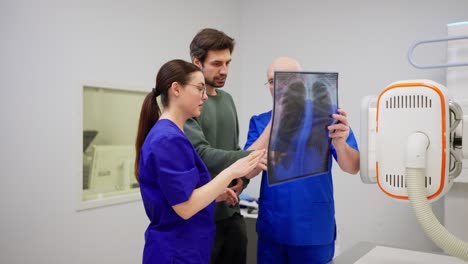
110,121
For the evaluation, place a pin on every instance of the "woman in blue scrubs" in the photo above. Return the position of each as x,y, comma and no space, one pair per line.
177,190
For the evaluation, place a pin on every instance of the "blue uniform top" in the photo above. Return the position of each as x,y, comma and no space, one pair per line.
170,169
298,212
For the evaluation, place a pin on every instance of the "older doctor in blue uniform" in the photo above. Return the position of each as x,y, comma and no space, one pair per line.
177,190
296,220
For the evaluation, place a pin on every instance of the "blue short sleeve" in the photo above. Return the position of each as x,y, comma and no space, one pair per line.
256,126
178,175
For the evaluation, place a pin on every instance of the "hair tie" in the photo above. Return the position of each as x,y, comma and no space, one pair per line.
156,92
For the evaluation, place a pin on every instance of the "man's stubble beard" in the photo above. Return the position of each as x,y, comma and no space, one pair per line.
213,84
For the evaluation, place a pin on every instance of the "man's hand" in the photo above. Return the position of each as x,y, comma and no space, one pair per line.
339,131
348,158
238,187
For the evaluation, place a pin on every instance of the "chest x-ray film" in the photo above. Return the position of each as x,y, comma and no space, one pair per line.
299,144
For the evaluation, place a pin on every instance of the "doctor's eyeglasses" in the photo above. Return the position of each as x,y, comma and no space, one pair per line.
201,88
269,82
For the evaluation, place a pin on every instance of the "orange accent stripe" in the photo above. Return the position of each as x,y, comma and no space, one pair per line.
442,170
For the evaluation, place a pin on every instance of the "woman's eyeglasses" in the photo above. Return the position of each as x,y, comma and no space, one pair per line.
200,88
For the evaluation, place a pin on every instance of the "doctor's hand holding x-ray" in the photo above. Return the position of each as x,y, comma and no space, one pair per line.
348,157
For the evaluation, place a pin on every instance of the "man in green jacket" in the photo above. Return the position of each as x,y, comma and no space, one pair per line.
215,136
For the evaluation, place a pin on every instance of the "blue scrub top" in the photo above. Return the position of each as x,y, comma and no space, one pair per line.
170,169
298,212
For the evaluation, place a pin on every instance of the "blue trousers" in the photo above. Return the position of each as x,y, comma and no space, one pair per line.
270,252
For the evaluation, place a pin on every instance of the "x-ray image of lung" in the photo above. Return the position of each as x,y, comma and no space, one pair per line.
299,144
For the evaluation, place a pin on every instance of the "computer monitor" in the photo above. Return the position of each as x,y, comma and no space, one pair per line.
112,168
88,137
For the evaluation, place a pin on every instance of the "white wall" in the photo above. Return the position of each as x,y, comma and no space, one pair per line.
365,41
49,49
